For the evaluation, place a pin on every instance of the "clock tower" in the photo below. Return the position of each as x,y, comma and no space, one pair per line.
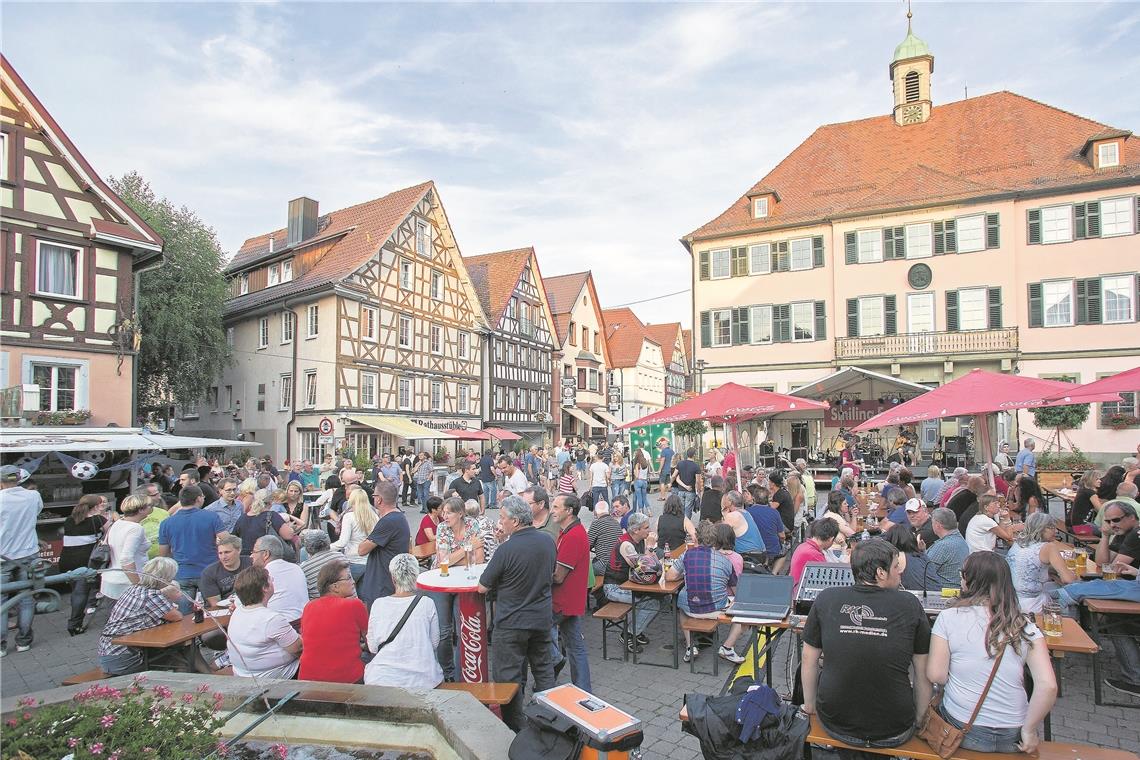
910,72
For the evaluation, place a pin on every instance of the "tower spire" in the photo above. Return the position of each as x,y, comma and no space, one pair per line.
909,16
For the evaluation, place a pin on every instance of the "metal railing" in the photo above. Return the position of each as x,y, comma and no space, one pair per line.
1001,340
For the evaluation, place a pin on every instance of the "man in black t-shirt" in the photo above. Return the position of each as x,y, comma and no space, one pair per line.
467,486
782,499
688,481
1120,540
218,579
872,633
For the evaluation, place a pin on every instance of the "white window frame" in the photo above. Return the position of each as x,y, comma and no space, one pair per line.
1102,150
79,267
761,252
288,327
286,271
404,338
512,307
263,333
243,284
82,375
965,235
919,240
436,398
867,330
981,295
436,285
310,388
1129,289
805,246
274,275
810,306
756,315
369,380
463,350
53,387
435,340
313,320
423,238
309,445
404,393
1057,219
406,274
464,399
230,337
869,245
285,393
760,208
727,262
3,160
1127,211
369,323
713,316
1056,286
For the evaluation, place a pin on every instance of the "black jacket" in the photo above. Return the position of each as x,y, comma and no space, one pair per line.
713,721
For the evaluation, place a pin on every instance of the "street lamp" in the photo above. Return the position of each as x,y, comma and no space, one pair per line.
701,364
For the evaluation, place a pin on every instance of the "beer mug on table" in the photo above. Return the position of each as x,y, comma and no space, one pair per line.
1051,619
1108,571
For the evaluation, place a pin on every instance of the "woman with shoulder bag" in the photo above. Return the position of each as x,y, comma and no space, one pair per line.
259,521
83,530
978,651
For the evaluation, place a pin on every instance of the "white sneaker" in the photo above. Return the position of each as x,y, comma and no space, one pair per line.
690,654
730,655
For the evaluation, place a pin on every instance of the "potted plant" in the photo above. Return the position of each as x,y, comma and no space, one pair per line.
68,417
441,456
1122,421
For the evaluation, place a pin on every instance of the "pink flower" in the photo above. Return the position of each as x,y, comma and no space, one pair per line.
187,698
204,688
280,750
12,723
163,692
27,702
116,755
223,749
148,750
107,721
96,748
27,716
73,742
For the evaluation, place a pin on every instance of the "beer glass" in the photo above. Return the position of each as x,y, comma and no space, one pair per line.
1108,571
1051,620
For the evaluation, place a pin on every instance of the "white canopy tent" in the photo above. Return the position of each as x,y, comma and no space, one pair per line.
33,440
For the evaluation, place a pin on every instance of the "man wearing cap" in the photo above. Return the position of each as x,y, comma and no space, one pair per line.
19,547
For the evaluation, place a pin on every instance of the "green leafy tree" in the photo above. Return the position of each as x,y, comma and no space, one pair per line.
179,304
692,429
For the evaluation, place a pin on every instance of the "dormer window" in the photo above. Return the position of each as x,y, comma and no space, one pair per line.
760,207
244,287
286,271
274,275
1107,154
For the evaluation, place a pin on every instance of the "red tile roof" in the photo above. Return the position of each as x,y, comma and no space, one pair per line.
625,334
362,230
562,293
666,334
687,339
494,277
996,144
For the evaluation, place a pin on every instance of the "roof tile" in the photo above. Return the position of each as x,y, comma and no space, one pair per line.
625,334
494,277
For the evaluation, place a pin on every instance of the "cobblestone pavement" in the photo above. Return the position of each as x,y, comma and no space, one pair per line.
653,694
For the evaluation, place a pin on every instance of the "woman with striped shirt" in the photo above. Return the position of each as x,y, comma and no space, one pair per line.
566,480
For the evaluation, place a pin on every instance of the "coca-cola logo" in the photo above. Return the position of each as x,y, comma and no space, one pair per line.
471,638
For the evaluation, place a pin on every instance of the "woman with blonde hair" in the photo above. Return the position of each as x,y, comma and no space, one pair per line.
619,476
795,488
129,546
259,521
355,526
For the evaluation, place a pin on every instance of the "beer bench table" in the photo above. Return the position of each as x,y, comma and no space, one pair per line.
1100,609
1072,639
168,635
663,589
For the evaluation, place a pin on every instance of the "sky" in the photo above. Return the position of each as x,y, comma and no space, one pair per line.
598,133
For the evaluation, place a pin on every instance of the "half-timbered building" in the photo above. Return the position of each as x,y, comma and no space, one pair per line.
72,250
518,350
364,316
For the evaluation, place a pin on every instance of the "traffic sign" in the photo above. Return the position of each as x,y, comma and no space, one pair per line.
325,427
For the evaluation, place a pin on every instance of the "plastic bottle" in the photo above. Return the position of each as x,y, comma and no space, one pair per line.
199,608
666,560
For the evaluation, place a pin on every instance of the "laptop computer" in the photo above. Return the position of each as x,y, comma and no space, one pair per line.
768,597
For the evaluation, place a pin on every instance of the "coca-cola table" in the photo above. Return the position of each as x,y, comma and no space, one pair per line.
472,623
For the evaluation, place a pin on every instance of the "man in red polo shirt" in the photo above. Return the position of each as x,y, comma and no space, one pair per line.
571,577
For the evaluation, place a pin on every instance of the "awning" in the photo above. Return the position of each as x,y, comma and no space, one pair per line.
502,435
41,439
401,427
462,434
574,411
604,415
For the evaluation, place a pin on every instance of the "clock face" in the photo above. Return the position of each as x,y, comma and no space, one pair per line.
912,114
919,276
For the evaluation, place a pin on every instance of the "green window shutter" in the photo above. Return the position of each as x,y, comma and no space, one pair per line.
704,265
993,232
1033,217
952,310
851,247
784,263
1088,301
1080,223
951,236
817,251
1092,213
1036,305
781,323
820,321
852,317
740,325
939,238
993,301
739,262
893,245
706,329
890,315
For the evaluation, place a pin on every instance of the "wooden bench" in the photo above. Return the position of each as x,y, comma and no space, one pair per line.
708,626
487,693
97,674
917,749
613,615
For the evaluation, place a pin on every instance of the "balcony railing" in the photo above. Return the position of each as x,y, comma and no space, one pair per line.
1002,340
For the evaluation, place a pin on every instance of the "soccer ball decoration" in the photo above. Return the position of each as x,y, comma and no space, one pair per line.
84,470
95,457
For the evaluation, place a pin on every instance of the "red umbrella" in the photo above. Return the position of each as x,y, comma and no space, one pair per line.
502,435
1127,381
730,403
463,434
978,392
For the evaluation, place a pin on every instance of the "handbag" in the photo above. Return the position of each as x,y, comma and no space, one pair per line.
100,558
395,631
290,553
938,732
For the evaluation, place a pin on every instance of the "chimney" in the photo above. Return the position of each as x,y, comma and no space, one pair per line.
302,220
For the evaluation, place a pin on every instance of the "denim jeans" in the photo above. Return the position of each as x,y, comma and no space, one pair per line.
984,738
189,588
688,500
490,493
82,597
1127,647
513,650
850,754
574,644
619,488
423,491
641,495
122,664
357,570
12,571
643,613
447,610
601,493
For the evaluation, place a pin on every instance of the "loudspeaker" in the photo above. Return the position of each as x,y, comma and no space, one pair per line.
955,444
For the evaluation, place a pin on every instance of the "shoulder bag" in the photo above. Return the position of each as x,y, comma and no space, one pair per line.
938,732
290,551
396,631
100,557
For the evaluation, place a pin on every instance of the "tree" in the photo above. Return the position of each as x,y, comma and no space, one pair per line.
179,304
692,429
